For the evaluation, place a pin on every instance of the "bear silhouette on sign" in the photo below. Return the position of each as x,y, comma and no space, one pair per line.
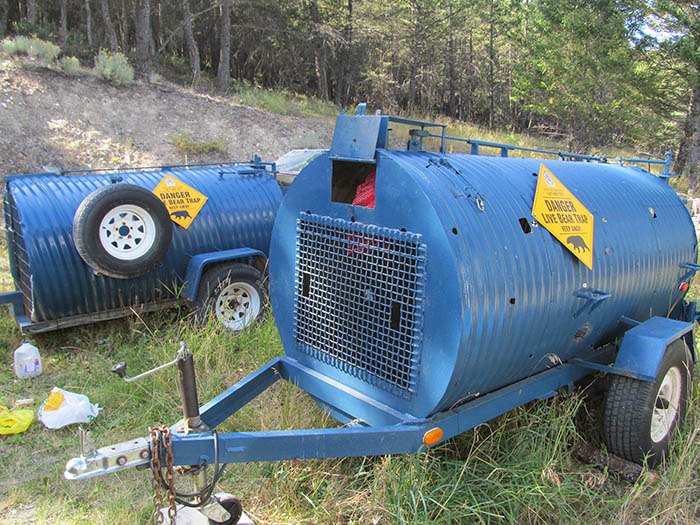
181,214
577,243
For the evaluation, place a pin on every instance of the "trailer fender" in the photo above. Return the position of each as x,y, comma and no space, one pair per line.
642,347
199,262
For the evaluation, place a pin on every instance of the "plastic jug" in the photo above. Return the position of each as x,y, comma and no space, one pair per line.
27,360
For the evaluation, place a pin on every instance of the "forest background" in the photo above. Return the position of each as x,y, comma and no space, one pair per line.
588,73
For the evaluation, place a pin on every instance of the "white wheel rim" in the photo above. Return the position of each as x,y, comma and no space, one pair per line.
127,232
237,305
666,405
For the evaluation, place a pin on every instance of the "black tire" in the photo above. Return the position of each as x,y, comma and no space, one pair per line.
128,250
234,294
630,405
234,508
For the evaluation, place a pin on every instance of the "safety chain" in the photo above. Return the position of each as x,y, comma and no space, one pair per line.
161,438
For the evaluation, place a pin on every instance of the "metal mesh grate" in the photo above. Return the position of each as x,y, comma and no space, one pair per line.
359,299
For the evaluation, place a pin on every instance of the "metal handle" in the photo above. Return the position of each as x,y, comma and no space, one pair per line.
691,266
591,294
120,368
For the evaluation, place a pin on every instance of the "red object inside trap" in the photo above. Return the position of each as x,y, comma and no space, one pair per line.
365,194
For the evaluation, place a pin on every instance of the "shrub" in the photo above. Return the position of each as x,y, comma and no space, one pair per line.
113,67
22,45
26,28
70,65
9,47
44,52
187,145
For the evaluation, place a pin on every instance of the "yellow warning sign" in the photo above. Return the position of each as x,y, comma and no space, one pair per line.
182,201
564,216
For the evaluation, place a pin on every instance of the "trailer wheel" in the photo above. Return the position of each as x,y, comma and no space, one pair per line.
234,293
641,416
233,507
122,230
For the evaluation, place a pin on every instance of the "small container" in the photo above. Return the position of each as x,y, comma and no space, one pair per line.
27,360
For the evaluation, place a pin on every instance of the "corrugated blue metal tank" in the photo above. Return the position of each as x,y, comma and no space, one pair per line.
438,294
56,283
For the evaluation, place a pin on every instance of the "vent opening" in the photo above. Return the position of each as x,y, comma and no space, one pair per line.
346,181
525,225
395,315
305,284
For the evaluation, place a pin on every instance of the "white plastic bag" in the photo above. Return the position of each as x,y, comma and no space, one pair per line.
64,408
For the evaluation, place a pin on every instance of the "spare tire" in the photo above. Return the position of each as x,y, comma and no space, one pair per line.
122,230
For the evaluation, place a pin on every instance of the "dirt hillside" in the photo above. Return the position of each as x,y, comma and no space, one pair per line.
48,119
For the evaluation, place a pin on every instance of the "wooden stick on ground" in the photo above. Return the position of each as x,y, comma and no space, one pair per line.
621,467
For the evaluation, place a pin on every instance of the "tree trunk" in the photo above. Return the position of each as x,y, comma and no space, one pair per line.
688,159
63,28
470,79
109,26
452,73
157,28
224,73
319,53
144,59
32,12
88,23
192,47
124,20
344,81
3,17
492,59
415,63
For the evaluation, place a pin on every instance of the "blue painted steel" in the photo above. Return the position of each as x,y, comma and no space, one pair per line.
399,434
358,137
15,302
199,262
643,347
57,284
14,299
319,386
500,304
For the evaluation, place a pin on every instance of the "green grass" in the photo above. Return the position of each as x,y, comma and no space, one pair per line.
186,145
515,469
282,102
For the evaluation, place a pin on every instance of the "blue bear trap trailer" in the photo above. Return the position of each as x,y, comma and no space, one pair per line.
59,286
442,302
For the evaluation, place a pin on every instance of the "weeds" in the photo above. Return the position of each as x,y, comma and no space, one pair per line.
70,65
22,45
42,51
186,145
8,46
114,68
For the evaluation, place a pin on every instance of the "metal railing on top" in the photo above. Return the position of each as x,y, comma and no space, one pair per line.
563,155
